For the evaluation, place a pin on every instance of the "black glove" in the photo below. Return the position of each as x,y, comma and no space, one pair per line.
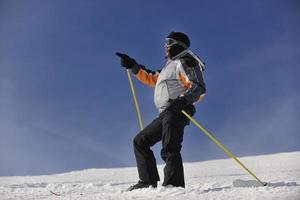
178,104
126,61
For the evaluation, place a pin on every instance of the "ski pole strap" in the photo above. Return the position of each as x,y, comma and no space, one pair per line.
222,147
135,100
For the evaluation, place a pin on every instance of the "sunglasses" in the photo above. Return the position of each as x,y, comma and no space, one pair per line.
170,42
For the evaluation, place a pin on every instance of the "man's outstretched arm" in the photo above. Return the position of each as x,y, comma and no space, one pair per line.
143,74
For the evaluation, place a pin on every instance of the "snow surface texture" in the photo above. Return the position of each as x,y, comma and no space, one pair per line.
216,179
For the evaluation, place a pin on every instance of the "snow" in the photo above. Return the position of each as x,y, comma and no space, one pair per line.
216,179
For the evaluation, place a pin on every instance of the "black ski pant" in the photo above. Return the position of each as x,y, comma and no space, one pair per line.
168,127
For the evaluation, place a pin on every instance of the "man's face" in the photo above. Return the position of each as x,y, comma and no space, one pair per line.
168,44
167,50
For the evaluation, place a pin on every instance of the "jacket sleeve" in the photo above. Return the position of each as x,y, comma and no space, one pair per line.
145,75
191,76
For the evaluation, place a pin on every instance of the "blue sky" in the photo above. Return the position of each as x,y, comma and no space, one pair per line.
65,102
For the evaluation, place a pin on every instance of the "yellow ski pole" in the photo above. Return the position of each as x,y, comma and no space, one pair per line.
135,100
222,147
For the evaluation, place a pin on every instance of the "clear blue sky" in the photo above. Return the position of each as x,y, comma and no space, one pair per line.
65,102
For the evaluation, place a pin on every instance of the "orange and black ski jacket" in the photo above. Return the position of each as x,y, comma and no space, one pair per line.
179,77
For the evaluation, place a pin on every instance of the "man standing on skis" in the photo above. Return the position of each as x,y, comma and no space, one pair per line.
177,87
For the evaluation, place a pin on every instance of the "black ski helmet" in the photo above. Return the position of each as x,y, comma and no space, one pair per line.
179,36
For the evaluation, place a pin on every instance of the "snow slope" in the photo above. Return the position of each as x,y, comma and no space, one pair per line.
216,179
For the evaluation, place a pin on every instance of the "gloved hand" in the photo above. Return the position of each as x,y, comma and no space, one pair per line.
126,61
178,104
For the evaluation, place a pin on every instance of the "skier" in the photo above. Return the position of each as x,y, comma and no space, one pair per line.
177,87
